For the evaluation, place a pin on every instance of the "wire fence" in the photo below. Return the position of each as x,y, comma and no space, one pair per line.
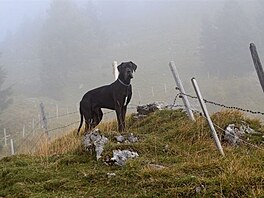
179,95
59,121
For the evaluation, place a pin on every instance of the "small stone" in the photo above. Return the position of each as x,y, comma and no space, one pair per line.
119,157
132,139
120,138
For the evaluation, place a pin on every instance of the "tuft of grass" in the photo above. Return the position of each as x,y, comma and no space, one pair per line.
191,164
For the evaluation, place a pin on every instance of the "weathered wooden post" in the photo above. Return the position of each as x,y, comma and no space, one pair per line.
67,111
257,64
5,136
203,106
44,120
139,96
23,131
39,120
115,70
152,91
57,111
12,147
77,106
182,91
33,126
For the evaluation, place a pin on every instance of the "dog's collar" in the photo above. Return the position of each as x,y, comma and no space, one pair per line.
123,82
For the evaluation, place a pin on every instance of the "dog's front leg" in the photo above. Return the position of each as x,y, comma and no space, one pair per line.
123,112
119,115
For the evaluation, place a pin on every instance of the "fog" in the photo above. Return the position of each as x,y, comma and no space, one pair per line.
55,51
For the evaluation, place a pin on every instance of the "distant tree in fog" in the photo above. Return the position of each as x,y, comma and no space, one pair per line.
70,39
5,94
225,41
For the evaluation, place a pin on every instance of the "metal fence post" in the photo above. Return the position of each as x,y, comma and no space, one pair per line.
203,106
257,64
180,86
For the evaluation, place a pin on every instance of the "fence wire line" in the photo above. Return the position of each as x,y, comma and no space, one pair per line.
57,128
242,140
62,115
29,134
74,112
61,127
133,107
248,143
38,123
35,143
222,105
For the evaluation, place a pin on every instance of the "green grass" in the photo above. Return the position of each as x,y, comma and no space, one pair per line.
167,138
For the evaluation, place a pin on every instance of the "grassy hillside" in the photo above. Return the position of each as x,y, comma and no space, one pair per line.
191,164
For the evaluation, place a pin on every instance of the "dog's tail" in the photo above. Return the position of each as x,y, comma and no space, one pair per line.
81,122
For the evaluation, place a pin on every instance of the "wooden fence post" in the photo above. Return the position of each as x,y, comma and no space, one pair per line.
44,120
57,111
39,117
180,86
203,106
5,136
23,131
67,111
12,147
115,70
33,126
257,64
139,95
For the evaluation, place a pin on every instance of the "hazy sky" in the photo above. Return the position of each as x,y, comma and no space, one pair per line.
15,12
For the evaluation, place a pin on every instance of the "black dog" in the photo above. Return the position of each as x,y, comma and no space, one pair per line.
115,96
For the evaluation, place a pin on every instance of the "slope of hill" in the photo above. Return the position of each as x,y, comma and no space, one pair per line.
177,158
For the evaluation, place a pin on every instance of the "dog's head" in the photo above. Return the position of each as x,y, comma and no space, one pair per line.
126,69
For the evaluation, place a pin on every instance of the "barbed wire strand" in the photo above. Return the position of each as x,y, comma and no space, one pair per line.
248,143
173,105
61,127
36,142
28,135
222,105
62,115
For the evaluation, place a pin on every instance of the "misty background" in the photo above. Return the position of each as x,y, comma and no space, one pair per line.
53,51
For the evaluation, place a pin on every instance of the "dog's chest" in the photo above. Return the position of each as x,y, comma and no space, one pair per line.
125,94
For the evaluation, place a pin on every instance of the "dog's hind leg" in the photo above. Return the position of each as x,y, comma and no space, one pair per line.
87,114
97,116
81,122
88,125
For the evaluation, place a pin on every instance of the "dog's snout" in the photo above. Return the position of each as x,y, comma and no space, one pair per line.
130,73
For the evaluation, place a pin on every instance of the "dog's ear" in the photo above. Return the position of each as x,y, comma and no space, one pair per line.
134,66
119,67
